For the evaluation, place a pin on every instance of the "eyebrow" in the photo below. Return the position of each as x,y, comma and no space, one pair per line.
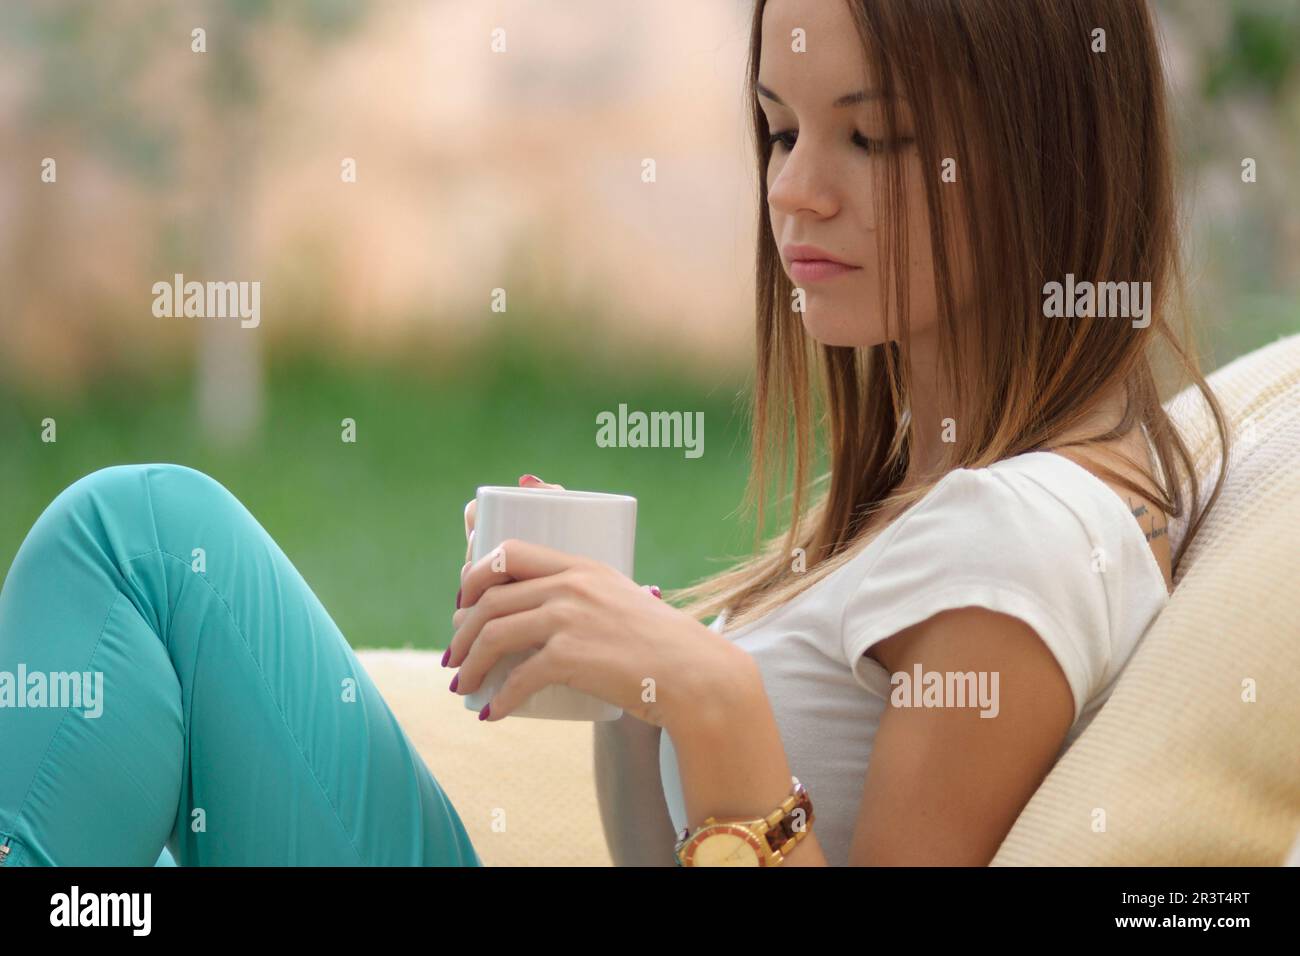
848,99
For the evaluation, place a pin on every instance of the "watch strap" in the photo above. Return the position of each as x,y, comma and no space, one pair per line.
781,830
789,823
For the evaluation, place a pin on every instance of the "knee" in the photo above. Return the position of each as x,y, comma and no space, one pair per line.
141,492
122,511
127,484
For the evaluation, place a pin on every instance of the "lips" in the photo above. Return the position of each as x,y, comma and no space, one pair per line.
813,264
795,252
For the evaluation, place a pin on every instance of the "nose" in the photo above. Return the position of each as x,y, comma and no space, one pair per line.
803,183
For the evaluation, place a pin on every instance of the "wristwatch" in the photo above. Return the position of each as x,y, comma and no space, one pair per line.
762,842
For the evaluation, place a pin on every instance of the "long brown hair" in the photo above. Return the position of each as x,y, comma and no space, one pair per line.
1065,168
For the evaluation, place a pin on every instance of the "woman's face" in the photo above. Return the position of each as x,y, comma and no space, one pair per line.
820,177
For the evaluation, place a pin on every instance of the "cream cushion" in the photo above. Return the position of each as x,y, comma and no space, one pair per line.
524,788
1195,758
1181,769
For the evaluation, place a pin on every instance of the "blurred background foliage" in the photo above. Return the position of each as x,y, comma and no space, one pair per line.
476,171
1260,53
376,527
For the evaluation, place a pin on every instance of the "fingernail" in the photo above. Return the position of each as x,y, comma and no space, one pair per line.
459,591
483,714
523,478
654,589
454,681
446,656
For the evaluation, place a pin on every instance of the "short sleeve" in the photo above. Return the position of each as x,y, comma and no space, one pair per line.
996,539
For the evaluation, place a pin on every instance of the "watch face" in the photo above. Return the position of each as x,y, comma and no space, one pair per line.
722,846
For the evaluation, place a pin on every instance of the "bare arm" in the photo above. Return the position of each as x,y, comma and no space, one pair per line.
637,826
945,785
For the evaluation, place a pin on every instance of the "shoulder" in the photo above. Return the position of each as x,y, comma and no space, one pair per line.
1013,515
1032,537
1036,524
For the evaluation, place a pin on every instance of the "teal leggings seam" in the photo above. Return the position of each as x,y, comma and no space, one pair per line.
265,683
338,818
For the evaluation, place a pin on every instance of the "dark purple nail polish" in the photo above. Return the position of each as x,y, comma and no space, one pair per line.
454,681
446,656
483,714
459,591
654,589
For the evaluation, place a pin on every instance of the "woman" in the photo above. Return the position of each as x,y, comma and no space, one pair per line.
996,517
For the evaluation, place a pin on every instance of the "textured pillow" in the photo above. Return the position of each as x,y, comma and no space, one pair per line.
1193,760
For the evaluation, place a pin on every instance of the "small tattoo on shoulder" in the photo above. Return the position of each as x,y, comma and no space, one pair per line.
1151,532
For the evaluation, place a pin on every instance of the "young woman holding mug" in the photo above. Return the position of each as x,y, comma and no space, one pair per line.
1006,498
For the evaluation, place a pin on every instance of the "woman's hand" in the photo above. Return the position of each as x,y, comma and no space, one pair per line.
597,632
471,511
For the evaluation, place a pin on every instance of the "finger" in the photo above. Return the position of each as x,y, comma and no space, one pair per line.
499,601
532,481
526,678
513,560
501,637
471,512
469,551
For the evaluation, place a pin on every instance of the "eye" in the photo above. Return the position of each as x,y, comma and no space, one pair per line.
787,139
870,145
784,138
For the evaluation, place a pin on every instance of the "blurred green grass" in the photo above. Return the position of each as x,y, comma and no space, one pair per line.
376,527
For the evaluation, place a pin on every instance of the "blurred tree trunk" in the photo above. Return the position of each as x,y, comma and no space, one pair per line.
229,380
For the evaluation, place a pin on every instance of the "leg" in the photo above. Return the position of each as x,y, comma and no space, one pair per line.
236,726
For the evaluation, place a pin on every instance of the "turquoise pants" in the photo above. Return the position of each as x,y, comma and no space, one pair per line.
183,690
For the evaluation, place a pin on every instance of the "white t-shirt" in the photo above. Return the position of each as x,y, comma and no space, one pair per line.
1036,536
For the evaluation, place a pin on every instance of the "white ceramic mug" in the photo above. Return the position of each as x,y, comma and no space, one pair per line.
588,523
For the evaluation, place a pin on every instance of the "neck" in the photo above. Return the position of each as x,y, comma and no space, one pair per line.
930,410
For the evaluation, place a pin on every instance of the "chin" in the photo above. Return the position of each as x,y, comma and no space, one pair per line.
843,329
